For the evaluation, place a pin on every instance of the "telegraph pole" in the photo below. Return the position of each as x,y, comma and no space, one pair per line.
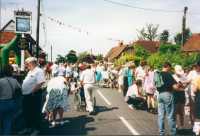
184,25
38,29
0,15
51,53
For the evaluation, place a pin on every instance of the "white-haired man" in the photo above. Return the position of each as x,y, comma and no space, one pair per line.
31,90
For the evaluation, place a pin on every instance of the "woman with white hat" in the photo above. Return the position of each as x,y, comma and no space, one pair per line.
179,96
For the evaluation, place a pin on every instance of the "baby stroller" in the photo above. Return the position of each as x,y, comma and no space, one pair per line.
79,97
79,100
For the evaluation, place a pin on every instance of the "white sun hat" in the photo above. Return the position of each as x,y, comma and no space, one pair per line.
179,70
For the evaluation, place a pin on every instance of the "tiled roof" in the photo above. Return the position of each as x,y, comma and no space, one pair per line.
6,37
115,52
193,44
150,46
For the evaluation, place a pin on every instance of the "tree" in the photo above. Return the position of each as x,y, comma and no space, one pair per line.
99,57
60,59
148,33
169,48
164,36
179,38
82,55
141,52
71,57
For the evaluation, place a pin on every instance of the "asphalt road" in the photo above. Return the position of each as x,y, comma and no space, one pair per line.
113,117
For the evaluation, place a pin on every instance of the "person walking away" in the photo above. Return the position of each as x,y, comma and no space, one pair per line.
165,84
87,79
31,90
179,96
8,106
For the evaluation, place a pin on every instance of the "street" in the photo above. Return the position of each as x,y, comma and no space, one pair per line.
113,117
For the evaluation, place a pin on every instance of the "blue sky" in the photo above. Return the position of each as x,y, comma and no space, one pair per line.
102,20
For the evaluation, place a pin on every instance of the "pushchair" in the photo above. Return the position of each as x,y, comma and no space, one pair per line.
79,99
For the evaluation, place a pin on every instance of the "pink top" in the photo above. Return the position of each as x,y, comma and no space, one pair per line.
149,84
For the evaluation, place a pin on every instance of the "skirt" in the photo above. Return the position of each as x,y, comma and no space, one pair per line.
56,98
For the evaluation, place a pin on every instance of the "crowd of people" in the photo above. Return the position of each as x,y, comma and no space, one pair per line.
170,91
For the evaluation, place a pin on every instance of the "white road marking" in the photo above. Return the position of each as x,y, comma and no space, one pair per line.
104,98
131,129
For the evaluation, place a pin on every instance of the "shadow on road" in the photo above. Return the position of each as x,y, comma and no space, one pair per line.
186,132
72,126
99,109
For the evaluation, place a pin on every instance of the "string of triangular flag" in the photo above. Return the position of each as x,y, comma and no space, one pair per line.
78,29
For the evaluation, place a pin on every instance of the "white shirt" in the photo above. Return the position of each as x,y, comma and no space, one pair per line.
54,69
133,91
88,76
34,77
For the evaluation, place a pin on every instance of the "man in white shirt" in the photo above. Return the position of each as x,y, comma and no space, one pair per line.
88,80
31,90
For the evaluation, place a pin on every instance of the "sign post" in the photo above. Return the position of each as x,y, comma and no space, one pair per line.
23,26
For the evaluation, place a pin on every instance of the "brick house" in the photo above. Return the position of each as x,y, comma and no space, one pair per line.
117,51
193,44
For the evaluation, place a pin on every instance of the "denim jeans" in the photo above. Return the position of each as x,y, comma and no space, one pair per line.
7,110
166,106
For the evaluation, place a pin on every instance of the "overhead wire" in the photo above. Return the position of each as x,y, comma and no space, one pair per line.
148,9
141,8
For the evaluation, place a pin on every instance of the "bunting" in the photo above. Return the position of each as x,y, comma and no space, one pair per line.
78,29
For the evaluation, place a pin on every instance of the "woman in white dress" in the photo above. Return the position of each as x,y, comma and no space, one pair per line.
56,99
